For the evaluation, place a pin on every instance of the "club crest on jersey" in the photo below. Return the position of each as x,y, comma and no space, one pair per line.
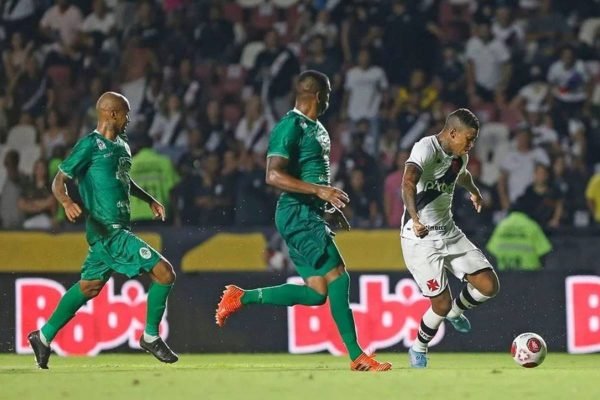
439,186
145,253
101,145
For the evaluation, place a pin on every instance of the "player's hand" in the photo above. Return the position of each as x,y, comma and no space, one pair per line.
158,210
335,196
72,210
477,201
420,230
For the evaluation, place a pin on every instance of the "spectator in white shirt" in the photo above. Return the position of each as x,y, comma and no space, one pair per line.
535,95
517,168
569,78
254,127
61,24
488,69
366,89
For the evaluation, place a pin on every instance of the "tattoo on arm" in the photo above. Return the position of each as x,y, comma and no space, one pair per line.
412,174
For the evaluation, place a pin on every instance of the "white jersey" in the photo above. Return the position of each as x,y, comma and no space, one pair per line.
435,189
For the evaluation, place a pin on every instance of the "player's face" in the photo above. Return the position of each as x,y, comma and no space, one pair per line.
463,140
122,120
323,99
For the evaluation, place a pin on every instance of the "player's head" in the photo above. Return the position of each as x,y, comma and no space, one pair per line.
113,110
462,127
314,86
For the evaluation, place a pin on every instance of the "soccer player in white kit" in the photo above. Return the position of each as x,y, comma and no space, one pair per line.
431,241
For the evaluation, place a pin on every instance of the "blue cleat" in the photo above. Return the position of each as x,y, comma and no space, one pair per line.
460,323
417,359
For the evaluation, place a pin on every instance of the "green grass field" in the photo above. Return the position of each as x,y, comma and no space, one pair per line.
311,377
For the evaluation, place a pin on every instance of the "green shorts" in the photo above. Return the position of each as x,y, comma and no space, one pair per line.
122,252
309,239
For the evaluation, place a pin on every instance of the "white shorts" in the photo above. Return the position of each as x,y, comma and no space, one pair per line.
427,261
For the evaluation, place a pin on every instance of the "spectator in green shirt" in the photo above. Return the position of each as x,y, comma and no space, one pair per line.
154,173
518,243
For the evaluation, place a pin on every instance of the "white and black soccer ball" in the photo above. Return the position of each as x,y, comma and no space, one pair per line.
529,350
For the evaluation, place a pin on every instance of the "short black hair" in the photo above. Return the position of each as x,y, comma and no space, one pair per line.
466,117
310,77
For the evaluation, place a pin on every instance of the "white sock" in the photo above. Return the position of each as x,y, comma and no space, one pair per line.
44,340
468,298
149,338
430,322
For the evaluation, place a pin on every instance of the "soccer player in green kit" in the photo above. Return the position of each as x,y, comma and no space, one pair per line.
298,164
101,162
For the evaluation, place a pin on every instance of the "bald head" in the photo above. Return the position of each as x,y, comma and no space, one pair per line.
112,101
113,113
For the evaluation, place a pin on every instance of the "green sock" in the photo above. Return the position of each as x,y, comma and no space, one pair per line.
66,309
284,295
339,303
157,302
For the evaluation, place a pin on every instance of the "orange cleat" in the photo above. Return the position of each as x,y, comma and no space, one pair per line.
230,303
368,363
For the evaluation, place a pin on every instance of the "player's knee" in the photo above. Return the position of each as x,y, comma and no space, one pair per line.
318,299
91,290
442,308
164,273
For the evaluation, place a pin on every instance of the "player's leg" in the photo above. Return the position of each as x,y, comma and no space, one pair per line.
425,260
163,278
471,265
95,272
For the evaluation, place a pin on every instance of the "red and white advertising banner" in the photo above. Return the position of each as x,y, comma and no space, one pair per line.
105,322
383,318
583,313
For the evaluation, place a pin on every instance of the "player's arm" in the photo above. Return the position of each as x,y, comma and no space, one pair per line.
157,208
277,175
59,189
466,180
412,174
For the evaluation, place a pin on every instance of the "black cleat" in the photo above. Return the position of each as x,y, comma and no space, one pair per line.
41,351
160,350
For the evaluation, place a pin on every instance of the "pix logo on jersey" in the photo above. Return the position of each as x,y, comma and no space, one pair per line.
105,322
382,319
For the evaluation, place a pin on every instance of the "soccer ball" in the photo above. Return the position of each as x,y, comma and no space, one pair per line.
529,350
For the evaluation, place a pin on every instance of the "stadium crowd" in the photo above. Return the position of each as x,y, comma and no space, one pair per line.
207,80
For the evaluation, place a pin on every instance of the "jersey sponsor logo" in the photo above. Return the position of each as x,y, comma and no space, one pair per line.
111,319
439,186
145,253
382,318
583,313
101,145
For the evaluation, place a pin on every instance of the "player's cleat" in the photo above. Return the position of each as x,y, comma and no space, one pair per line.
460,323
160,350
417,359
368,363
40,350
231,301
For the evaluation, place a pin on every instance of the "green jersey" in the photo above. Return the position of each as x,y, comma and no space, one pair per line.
518,242
101,167
305,143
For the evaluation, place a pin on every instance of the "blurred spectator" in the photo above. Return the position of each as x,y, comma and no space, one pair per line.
30,89
535,95
571,180
214,37
366,89
11,216
544,30
393,204
254,128
517,168
61,26
19,16
274,72
323,27
16,55
542,131
37,202
254,202
357,158
169,127
147,25
568,78
488,69
505,29
451,78
186,86
412,121
542,200
428,94
56,134
357,32
518,243
592,194
322,60
218,137
215,196
155,174
464,212
362,211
